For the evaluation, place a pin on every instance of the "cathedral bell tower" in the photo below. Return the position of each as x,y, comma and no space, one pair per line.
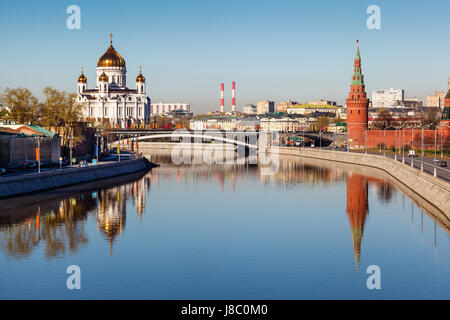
82,82
140,82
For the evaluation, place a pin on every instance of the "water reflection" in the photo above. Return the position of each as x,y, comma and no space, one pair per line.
58,225
357,209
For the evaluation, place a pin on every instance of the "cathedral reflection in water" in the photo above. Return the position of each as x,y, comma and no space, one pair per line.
59,225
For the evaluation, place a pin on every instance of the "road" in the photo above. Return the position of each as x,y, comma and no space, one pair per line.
49,168
428,165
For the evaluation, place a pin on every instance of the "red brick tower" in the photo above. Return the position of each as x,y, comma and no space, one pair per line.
357,106
357,207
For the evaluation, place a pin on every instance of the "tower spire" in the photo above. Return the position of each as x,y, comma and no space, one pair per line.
358,56
110,38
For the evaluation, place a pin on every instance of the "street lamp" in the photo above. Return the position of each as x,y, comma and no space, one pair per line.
97,146
412,148
395,145
70,148
403,147
38,153
421,164
435,150
118,146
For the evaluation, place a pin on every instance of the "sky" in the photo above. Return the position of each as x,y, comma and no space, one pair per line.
276,50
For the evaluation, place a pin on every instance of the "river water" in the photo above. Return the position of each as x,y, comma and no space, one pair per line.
309,231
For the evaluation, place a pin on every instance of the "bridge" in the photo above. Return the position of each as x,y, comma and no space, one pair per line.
240,138
185,134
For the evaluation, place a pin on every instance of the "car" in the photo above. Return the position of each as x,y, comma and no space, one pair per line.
411,153
443,163
83,163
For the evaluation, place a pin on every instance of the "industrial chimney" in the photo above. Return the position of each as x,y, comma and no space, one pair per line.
233,97
222,101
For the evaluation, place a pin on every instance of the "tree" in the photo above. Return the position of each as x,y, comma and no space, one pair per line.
24,106
384,120
61,112
430,119
4,114
322,122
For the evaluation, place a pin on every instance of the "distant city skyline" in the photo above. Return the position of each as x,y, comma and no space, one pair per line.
285,50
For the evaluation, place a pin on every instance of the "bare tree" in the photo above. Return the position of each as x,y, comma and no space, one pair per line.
24,106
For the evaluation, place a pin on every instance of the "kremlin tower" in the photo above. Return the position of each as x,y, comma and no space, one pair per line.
357,207
357,106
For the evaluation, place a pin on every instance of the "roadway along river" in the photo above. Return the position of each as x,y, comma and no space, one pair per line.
310,231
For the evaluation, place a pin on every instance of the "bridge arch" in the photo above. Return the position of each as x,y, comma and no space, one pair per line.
191,135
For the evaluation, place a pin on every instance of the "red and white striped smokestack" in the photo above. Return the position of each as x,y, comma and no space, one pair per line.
222,101
233,97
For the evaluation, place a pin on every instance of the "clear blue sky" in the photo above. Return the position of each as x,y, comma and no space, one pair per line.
276,50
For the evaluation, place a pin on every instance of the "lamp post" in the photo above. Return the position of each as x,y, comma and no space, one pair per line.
435,151
421,164
320,139
412,148
70,148
384,142
365,141
442,143
97,135
395,145
348,140
39,153
303,137
403,147
118,146
380,140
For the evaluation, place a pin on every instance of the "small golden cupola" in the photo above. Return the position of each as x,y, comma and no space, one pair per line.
103,77
82,78
111,58
140,78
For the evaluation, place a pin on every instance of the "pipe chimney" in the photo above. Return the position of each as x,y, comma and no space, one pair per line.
222,101
233,97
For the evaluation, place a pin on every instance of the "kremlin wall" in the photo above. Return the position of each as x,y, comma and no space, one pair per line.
357,122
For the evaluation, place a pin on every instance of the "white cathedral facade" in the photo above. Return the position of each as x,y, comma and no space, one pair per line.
111,100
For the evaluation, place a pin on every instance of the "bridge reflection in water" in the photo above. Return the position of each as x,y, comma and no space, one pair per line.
59,223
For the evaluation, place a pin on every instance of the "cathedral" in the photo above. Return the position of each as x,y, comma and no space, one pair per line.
111,102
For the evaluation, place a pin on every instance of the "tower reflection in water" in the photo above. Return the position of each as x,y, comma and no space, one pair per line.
61,224
357,209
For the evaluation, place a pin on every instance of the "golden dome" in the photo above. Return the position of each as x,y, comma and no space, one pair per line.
82,78
103,77
140,78
111,58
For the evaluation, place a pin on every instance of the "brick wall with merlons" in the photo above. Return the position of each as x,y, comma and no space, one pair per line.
409,138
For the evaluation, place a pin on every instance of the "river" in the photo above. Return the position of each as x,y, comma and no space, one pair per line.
309,231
